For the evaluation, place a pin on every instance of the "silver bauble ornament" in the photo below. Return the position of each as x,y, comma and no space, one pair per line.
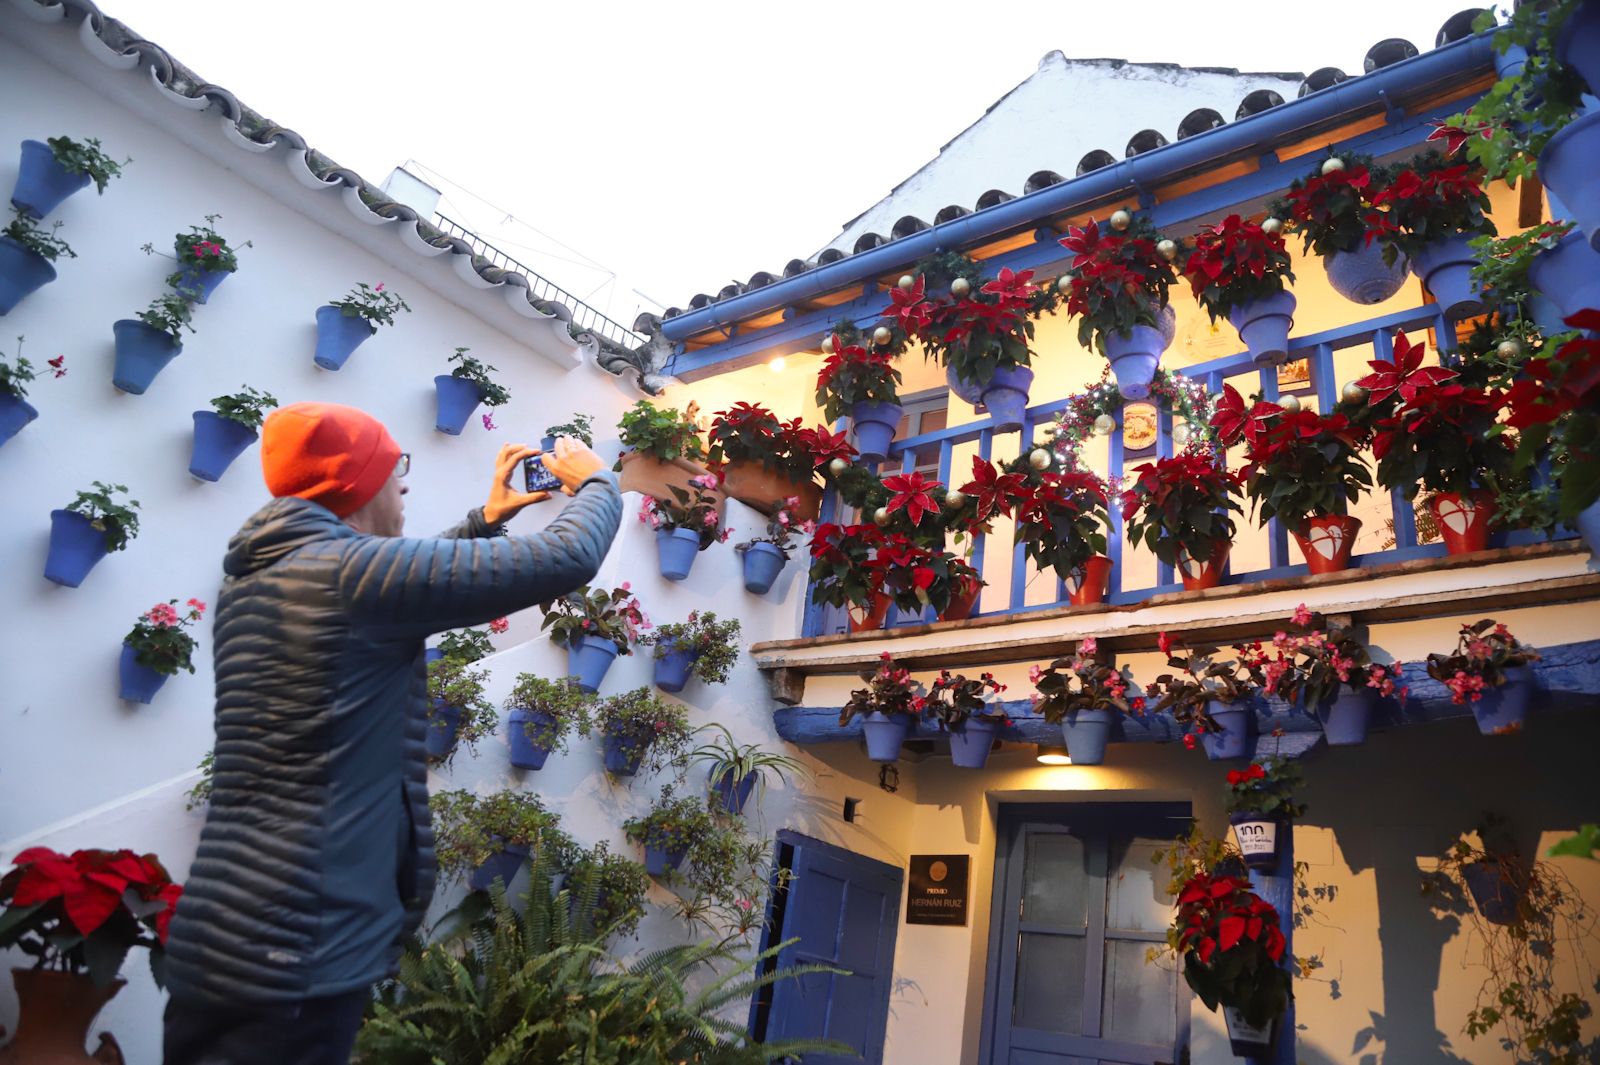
1121,220
954,499
837,467
1039,459
1168,249
827,345
882,335
1064,283
1509,349
1290,403
1352,392
1332,164
960,287
907,282
1105,425
880,516
1271,225
1180,434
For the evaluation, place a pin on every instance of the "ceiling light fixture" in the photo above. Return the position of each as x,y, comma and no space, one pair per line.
1049,754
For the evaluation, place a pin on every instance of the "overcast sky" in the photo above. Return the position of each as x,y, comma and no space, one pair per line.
671,148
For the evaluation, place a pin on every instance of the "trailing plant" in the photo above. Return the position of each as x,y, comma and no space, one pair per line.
24,230
1116,281
727,760
644,717
470,829
713,644
81,913
1310,667
1503,262
470,645
169,314
16,376
673,823
248,407
1235,262
200,794
1556,408
696,508
1199,678
1485,650
204,247
782,528
580,427
1328,208
1426,201
1182,504
119,521
606,893
491,393
614,615
85,157
661,432
853,374
748,432
954,698
159,639
1083,681
452,682
561,701
889,691
375,303
725,882
1267,788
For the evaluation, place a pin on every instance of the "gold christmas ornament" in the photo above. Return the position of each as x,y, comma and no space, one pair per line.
837,467
1271,225
1121,220
954,499
1039,459
882,335
880,516
1290,403
827,345
907,282
1352,392
1168,249
1333,164
960,287
1509,349
1105,425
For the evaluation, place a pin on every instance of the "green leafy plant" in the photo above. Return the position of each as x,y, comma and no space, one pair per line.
782,528
470,829
169,314
1181,506
562,701
1235,262
661,432
1503,262
16,375
890,690
1267,788
714,644
248,407
375,303
453,683
204,247
119,521
724,882
614,615
852,374
159,639
35,238
661,727
580,427
673,824
200,794
729,761
609,890
470,369
1082,682
85,157
470,645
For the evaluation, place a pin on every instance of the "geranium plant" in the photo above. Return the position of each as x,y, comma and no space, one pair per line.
247,407
890,691
204,247
643,716
470,369
673,823
714,644
16,375
1235,262
1232,946
453,682
782,528
469,645
1199,678
695,508
1115,280
470,829
1266,788
376,303
661,432
169,314
1311,666
1428,200
1180,506
1083,681
119,521
31,235
752,433
1484,652
1328,208
85,157
854,374
562,702
614,615
579,427
953,698
82,913
1503,262
159,639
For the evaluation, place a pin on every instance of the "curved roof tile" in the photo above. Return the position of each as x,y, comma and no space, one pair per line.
1094,161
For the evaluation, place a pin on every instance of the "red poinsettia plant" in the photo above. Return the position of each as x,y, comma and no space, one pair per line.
1232,947
159,639
845,571
1557,399
1330,206
1115,281
696,508
1181,506
1083,681
751,432
855,374
1484,652
975,329
1429,200
83,912
1234,262
1299,463
1061,517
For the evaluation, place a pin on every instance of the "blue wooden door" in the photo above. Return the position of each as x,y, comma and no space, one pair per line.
843,910
1078,902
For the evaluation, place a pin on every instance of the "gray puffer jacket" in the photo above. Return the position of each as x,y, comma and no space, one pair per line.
316,860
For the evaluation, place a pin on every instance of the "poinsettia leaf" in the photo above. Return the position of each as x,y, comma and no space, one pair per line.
15,916
104,956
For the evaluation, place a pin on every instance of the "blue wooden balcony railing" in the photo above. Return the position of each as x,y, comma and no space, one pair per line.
1247,377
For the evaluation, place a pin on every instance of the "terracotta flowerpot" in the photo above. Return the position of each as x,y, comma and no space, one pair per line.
1327,541
871,618
1463,519
650,476
1089,582
962,600
1201,575
55,1011
756,486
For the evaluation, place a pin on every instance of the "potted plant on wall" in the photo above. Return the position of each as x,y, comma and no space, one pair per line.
579,427
1506,266
85,530
686,524
1330,674
661,447
1493,671
77,916
1117,287
49,172
469,645
1212,695
639,728
1329,209
670,831
1179,508
863,385
1301,467
595,626
148,341
1083,694
343,324
15,377
969,711
846,574
735,770
487,837
764,461
156,648
542,713
889,706
764,557
1261,806
1429,211
619,885
701,647
461,390
458,711
205,259
27,254
1238,271
221,435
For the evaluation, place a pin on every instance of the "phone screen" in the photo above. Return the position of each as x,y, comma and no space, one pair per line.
538,477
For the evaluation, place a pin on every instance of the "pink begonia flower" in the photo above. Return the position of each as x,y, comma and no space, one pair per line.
1088,646
488,422
58,364
711,519
626,586
1302,616
379,288
783,517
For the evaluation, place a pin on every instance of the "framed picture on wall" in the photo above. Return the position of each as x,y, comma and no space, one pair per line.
1294,378
1139,429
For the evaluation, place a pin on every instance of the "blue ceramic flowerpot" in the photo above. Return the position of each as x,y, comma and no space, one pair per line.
75,546
1544,313
1588,524
962,388
885,733
971,743
1264,326
589,661
1167,325
15,412
1086,733
660,860
1134,357
1234,739
1492,892
196,284
676,550
1509,64
501,865
42,183
142,352
1578,44
1346,717
1445,266
443,724
1361,276
762,564
458,398
526,752
1006,397
673,668
137,683
1569,166
22,273
338,336
1504,709
217,442
874,426
733,795
1569,275
1257,838
623,754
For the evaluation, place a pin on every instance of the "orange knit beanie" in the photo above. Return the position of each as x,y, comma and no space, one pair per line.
330,454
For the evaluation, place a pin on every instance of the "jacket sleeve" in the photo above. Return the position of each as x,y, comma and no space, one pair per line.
474,527
412,586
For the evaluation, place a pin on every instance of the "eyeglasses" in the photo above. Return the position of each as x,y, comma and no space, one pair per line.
403,467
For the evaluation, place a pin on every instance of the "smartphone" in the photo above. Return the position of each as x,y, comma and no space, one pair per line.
538,476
